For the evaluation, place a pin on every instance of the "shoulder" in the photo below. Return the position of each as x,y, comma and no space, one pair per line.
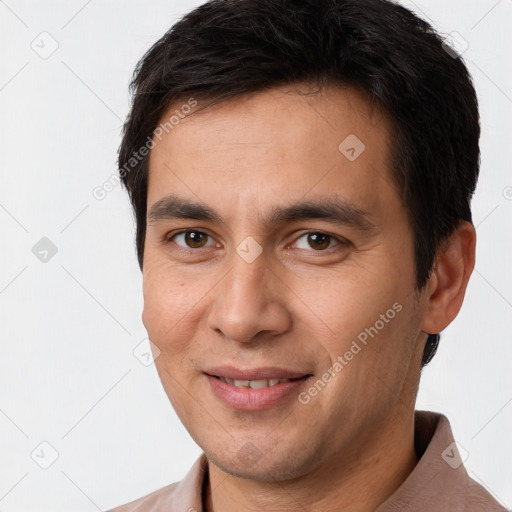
478,499
151,502
182,496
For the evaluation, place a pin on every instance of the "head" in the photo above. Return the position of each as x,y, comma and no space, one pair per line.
261,121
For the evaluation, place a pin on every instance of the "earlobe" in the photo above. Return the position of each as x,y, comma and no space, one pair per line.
447,285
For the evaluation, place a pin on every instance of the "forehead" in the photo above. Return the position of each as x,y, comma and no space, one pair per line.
285,114
287,137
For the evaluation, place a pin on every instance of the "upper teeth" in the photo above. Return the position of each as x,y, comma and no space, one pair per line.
254,384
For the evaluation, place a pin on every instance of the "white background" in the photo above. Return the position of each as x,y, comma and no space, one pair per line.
68,375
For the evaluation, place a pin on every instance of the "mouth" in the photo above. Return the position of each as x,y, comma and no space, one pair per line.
254,389
256,378
254,384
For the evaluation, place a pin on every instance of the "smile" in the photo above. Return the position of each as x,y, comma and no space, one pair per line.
253,384
256,394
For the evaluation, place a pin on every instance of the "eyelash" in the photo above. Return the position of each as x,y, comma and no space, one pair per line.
343,242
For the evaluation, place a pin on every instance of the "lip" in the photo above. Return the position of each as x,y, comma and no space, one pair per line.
268,372
248,399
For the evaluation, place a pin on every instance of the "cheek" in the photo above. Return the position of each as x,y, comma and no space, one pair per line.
170,307
373,326
346,307
390,339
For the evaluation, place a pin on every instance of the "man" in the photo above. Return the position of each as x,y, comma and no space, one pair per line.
301,174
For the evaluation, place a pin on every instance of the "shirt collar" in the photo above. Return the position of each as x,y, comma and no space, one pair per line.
438,481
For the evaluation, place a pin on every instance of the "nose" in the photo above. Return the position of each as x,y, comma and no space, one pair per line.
249,304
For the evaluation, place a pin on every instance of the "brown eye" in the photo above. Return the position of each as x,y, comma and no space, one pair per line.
195,238
319,241
191,239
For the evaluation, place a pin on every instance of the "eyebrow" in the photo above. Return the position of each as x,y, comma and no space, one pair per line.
335,210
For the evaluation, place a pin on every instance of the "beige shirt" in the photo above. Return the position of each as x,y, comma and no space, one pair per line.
438,483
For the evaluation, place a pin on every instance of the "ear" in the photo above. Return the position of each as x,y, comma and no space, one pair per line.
455,261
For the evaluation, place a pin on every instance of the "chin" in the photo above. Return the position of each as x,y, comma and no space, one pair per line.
272,466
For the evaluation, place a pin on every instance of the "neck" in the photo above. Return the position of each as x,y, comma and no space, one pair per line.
360,483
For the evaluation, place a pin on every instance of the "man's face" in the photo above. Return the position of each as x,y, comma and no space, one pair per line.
256,287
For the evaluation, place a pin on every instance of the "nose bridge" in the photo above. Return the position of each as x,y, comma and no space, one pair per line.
244,304
245,291
247,261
